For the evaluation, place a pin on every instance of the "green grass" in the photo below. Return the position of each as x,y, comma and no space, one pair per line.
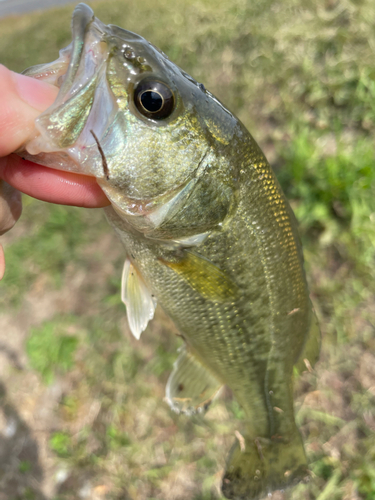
45,231
50,349
60,443
301,76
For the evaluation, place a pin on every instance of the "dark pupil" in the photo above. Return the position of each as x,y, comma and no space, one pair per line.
151,101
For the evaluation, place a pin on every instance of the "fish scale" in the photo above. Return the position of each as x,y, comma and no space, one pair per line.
207,231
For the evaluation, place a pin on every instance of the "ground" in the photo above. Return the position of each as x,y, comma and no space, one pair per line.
81,401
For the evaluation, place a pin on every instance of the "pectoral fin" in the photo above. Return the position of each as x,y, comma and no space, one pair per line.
190,387
140,304
204,277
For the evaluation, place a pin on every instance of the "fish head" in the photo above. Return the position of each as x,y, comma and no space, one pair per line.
130,117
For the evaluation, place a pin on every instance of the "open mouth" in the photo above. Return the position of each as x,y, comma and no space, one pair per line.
86,129
83,16
84,106
87,52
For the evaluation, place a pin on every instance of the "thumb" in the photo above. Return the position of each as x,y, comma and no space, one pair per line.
22,99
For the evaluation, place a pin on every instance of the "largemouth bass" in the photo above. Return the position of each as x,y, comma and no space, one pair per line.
207,231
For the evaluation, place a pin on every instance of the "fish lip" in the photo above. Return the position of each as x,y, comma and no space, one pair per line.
82,17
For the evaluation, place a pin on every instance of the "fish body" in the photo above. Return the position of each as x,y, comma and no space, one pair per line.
208,234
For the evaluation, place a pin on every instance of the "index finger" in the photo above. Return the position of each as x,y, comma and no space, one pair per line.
54,186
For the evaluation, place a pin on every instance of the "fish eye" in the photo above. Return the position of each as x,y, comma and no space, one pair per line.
154,99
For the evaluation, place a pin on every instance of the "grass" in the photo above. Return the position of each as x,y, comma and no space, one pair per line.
50,351
301,76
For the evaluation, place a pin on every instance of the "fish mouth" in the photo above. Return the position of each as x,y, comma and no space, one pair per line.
87,51
82,17
84,107
82,130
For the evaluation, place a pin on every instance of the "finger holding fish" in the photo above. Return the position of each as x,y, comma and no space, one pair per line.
22,100
51,185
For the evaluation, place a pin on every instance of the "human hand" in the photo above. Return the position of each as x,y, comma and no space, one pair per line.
22,99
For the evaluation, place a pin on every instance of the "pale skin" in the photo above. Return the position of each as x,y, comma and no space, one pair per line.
22,99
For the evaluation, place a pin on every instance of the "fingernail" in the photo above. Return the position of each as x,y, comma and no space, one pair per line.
36,93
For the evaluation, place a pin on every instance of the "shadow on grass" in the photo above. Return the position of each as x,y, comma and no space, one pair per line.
20,470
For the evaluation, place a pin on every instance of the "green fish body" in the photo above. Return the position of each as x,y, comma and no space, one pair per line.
207,231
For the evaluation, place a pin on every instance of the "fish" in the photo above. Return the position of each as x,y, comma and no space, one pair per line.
207,231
